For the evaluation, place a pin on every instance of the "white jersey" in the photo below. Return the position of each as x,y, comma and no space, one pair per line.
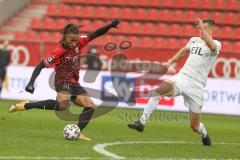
200,60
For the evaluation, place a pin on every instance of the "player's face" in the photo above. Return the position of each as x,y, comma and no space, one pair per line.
71,40
208,28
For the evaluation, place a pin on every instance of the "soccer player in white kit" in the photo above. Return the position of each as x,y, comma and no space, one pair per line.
190,80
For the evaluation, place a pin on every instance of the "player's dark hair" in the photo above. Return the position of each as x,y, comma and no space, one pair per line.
209,21
69,28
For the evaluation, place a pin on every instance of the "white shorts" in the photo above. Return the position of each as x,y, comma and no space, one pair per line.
190,89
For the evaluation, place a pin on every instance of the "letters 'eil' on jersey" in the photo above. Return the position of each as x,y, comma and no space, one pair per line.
66,62
200,60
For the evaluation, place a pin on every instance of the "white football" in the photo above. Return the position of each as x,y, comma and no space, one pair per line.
71,132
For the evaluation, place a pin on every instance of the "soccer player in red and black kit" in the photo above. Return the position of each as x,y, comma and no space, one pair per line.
65,59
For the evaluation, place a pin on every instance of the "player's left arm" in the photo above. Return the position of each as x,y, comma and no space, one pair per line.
103,30
207,38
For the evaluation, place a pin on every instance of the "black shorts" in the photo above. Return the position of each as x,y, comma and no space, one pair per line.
73,89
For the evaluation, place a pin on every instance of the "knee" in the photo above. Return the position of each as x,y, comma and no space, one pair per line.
63,104
194,127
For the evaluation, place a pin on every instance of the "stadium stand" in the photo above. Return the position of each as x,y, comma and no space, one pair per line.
148,22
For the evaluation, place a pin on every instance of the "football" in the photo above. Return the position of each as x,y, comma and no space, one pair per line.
71,132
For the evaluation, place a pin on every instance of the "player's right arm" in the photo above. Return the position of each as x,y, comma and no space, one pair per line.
50,61
182,52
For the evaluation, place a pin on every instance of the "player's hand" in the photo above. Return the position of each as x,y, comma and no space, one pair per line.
199,23
115,23
166,64
30,88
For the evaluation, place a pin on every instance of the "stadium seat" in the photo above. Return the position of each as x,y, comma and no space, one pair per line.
172,43
226,46
139,14
135,41
177,16
45,36
174,30
164,3
143,3
124,27
115,13
236,47
190,16
86,25
55,37
89,11
120,38
19,36
203,14
127,13
161,29
73,21
230,18
101,12
193,4
155,3
206,4
48,24
238,19
227,32
180,4
233,5
188,30
164,15
76,11
98,23
237,34
152,14
35,23
51,10
218,17
149,28
183,42
60,23
136,28
147,42
63,11
159,43
220,5
217,33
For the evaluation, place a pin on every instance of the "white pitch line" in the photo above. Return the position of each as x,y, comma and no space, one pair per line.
100,148
43,158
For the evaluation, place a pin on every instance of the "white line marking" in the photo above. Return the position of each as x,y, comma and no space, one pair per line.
100,148
44,158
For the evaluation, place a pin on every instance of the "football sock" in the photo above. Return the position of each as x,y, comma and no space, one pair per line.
202,131
151,106
47,104
85,117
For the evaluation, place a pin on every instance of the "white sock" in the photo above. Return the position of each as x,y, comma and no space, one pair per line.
151,106
201,130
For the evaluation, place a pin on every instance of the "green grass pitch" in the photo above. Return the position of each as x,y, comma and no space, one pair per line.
39,134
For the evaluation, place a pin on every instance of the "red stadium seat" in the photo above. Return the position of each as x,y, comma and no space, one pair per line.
101,12
233,5
180,4
32,36
226,46
190,16
48,24
147,42
45,36
238,19
164,3
115,12
51,10
206,4
116,2
174,30
36,23
237,34
120,38
97,24
131,3
236,47
149,28
60,23
125,27
217,32
76,11
89,11
20,35
136,28
218,17
193,4
188,30
227,32
177,16
144,3
159,43
74,21
139,14
127,13
230,18
152,14
161,29
203,14
164,15
183,42
135,41
63,11
220,5
172,43
86,25
155,3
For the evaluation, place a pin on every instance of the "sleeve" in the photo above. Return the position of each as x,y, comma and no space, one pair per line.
84,40
189,44
219,46
54,58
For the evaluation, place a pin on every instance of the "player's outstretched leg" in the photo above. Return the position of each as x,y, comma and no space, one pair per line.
25,105
198,127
